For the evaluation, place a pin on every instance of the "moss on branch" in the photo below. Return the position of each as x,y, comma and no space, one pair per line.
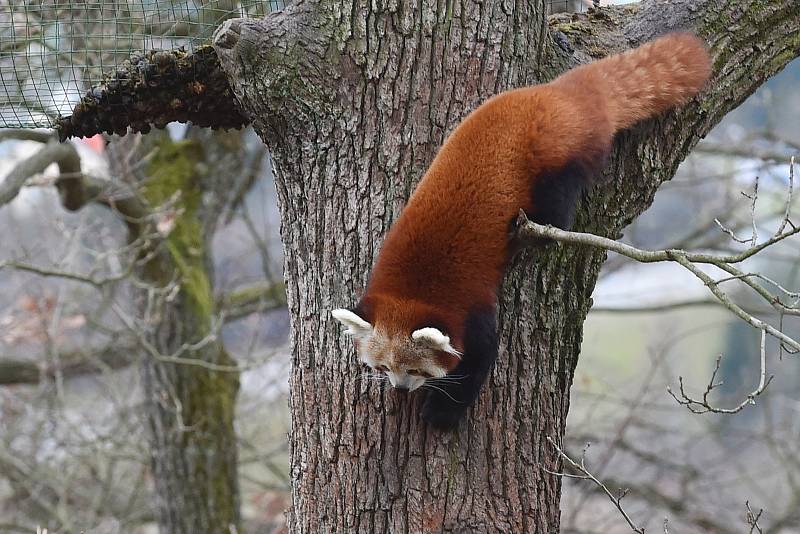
173,179
258,297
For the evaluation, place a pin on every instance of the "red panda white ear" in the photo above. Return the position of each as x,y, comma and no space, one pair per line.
435,339
356,326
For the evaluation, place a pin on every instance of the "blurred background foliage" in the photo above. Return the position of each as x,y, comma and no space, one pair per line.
654,323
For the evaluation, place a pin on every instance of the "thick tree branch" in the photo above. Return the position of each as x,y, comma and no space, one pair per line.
64,155
154,89
114,356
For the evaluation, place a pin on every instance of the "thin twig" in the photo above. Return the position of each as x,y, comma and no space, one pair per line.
752,519
789,193
754,201
585,474
705,406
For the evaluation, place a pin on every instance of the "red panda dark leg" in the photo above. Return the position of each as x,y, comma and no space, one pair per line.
444,407
555,192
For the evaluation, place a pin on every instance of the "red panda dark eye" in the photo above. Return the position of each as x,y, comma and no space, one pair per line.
382,368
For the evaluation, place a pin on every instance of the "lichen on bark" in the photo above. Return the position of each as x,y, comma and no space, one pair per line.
173,175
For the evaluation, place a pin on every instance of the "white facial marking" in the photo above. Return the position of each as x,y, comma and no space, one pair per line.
438,372
394,379
434,338
418,381
356,326
405,380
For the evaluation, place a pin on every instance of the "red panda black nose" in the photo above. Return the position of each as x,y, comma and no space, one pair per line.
401,389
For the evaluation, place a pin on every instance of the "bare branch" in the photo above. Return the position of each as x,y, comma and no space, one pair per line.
752,519
729,232
585,474
26,134
789,194
256,298
688,260
705,406
727,263
66,275
177,357
754,201
661,307
709,148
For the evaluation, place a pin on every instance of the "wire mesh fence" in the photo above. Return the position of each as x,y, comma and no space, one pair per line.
53,51
570,6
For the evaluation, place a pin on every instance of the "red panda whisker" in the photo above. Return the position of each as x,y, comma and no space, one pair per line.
448,378
442,382
425,384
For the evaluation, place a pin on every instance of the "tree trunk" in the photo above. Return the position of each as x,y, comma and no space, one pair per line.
353,99
189,379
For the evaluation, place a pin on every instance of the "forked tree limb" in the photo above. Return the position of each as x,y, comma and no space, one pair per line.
689,261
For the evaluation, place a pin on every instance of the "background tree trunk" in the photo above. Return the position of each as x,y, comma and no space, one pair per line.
190,381
353,98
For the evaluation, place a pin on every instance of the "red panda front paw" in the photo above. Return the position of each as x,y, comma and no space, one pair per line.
442,413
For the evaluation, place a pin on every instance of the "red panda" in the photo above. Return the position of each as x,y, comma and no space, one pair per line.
427,317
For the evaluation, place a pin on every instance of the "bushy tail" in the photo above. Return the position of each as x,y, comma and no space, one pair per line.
647,80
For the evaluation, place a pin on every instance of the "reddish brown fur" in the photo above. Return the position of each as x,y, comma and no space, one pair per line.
447,252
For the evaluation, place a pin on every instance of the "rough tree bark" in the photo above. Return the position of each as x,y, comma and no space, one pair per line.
353,97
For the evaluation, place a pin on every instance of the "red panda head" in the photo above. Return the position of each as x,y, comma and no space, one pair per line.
406,357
